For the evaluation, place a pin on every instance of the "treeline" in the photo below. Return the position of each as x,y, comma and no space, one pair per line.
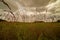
1,20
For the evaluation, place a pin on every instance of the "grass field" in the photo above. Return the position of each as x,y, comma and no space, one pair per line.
29,31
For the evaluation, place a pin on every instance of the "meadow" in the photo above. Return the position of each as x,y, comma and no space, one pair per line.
29,31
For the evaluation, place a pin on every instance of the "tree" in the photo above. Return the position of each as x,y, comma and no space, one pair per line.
5,4
8,7
58,20
1,20
53,18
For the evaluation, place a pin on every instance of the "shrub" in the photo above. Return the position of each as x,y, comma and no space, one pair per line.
2,20
58,21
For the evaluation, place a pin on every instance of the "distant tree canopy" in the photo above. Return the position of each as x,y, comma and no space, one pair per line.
38,21
58,20
1,20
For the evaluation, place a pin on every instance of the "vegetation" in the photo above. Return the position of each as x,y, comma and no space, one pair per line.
2,20
58,21
38,21
29,31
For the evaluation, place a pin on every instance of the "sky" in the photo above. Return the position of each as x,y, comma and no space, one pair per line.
19,6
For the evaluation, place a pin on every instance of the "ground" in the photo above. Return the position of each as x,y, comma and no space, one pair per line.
29,31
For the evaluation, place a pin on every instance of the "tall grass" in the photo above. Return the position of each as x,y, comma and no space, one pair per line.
29,31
